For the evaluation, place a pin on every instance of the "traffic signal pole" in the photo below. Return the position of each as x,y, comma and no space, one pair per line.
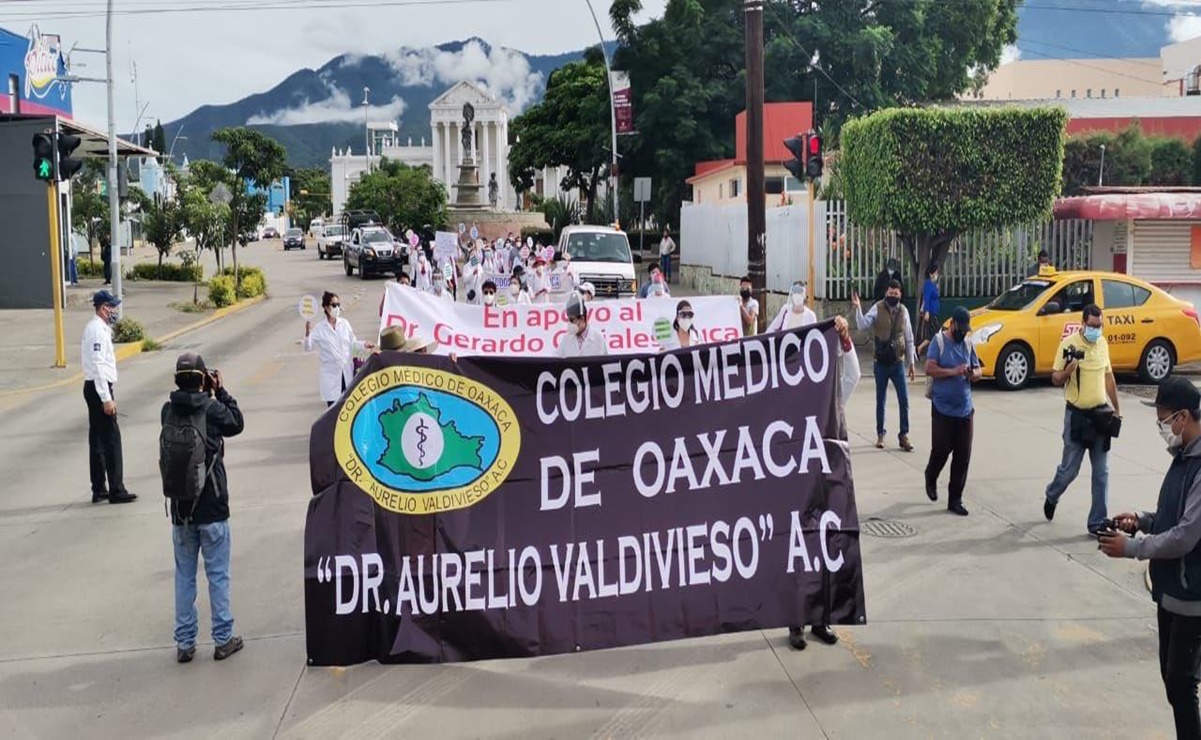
756,199
812,241
114,201
56,275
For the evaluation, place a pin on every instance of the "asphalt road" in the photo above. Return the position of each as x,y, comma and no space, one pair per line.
998,625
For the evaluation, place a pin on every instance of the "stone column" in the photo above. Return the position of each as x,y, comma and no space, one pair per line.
486,163
502,161
437,163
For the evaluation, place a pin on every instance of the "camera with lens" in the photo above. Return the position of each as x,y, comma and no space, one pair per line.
210,381
1072,353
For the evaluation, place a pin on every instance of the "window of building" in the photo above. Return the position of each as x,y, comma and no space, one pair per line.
773,185
793,185
1088,93
1073,93
1116,92
734,187
1102,92
1059,93
14,96
721,191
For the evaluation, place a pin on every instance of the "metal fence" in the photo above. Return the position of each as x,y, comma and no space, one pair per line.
979,264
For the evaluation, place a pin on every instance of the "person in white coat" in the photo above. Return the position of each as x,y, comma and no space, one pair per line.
335,342
581,339
794,313
439,289
471,276
422,274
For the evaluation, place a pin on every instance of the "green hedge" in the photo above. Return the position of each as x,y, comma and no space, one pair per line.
171,272
128,330
86,269
221,291
254,282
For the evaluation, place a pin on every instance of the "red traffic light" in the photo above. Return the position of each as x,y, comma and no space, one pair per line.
815,145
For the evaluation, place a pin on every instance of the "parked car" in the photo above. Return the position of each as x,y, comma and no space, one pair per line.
1148,331
270,233
372,251
316,226
600,255
294,239
329,244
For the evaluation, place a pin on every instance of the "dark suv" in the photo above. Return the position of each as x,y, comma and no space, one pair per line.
294,239
372,251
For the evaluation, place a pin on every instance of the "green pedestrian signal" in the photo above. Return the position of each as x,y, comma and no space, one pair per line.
43,157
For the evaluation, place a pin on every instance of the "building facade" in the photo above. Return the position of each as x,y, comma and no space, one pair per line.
31,66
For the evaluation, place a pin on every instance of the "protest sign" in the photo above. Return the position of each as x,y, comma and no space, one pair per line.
498,508
446,246
535,331
308,307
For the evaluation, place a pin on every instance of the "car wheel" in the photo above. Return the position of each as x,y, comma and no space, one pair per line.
1157,362
363,273
349,269
1014,368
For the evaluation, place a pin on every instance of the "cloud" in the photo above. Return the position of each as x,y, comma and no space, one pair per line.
337,108
504,73
1184,27
1010,53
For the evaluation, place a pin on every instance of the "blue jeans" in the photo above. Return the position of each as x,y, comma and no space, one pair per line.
1069,468
665,264
72,270
896,374
213,541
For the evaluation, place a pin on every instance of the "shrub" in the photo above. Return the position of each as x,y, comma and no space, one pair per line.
171,272
254,282
221,291
86,268
149,344
128,330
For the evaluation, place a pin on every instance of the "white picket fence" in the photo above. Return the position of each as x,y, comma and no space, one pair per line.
849,256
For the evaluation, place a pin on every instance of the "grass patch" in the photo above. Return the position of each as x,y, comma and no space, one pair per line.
189,307
149,344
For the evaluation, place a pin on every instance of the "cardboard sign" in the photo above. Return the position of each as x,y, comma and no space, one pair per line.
308,307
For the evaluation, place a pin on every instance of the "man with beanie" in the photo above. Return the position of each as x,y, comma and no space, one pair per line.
200,526
1172,534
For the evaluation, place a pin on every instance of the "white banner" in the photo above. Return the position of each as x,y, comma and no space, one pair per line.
535,331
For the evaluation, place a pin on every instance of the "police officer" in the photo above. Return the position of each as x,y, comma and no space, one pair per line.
99,362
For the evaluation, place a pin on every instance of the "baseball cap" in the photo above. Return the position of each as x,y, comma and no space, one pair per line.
962,318
190,362
105,298
1176,394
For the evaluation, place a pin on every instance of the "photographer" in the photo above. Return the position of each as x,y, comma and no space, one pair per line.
1171,544
1082,368
201,410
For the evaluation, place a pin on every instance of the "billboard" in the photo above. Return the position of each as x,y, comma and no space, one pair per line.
30,68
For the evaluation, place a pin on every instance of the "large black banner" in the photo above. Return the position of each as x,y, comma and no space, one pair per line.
499,507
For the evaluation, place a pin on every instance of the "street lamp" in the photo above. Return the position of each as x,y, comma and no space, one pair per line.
1101,174
367,127
612,112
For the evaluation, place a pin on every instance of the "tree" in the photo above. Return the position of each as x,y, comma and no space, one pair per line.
405,197
569,128
208,223
89,209
257,160
310,194
162,222
1171,162
1127,159
160,138
932,174
687,69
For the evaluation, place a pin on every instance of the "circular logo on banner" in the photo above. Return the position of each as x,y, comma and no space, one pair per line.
307,307
424,441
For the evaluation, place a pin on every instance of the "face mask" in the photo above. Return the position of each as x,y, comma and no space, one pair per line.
514,288
685,324
798,299
957,335
1165,430
580,327
489,299
746,294
112,318
892,301
1092,334
438,287
538,271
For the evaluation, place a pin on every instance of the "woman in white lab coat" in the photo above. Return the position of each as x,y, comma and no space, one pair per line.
335,342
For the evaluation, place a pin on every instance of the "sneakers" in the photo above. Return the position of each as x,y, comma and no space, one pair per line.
1048,509
185,656
880,442
825,633
796,638
904,442
221,652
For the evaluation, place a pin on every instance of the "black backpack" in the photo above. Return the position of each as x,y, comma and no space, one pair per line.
182,454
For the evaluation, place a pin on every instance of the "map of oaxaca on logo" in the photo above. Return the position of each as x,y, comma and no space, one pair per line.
424,441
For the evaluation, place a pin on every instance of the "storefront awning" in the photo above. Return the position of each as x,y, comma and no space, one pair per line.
1145,206
95,143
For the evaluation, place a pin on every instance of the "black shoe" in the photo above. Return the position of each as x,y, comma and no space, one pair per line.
931,490
957,509
796,638
185,656
233,645
1048,509
98,497
122,498
825,633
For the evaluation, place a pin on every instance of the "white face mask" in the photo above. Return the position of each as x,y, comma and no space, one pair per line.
1172,440
798,298
685,324
438,286
489,299
335,312
514,287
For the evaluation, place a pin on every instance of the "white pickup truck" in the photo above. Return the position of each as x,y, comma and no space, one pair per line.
329,243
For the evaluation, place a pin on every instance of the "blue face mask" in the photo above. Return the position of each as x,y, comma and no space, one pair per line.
1092,334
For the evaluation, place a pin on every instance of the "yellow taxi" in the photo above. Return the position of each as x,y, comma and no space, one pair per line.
1148,331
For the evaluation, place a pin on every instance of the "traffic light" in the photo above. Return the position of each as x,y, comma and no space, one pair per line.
43,157
68,166
813,163
797,146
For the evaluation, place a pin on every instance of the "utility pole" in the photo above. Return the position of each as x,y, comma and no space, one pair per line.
114,200
756,204
614,182
367,128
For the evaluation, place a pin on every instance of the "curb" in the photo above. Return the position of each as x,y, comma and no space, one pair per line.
132,349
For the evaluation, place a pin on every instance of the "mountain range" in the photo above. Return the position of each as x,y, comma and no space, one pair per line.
312,111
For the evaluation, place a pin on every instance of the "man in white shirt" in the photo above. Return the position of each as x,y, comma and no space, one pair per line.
748,307
99,362
666,247
581,340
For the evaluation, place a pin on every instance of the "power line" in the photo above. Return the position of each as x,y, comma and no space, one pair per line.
234,7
